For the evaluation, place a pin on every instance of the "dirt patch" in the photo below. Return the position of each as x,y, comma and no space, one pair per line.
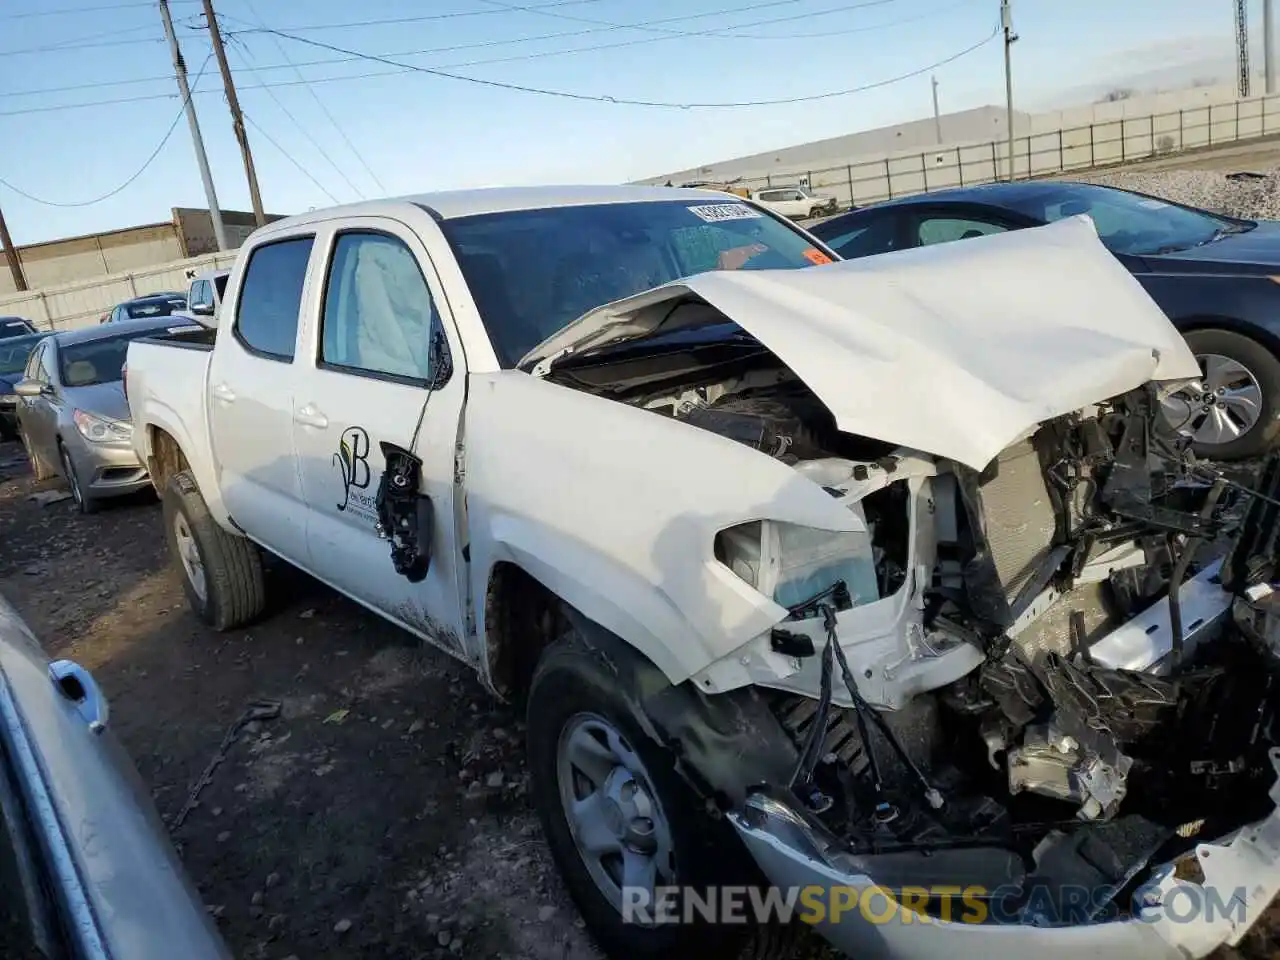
383,814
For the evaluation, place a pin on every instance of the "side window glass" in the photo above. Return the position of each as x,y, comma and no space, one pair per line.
44,372
865,240
378,310
33,363
946,229
271,296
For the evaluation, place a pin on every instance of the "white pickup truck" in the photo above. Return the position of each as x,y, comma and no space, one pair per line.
847,577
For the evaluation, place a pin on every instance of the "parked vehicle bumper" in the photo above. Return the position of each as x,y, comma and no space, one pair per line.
1179,919
107,470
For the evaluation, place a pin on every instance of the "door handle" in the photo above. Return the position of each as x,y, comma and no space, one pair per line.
224,393
77,684
309,416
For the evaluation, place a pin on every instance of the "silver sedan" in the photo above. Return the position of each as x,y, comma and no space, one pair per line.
72,414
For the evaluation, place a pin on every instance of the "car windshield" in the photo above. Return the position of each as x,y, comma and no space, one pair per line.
14,353
1131,223
154,308
14,327
97,361
533,272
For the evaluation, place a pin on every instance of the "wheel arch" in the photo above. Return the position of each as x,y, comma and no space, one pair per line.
1210,321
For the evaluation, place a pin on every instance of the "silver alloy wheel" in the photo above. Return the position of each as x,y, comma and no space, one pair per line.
73,481
189,554
616,820
1222,406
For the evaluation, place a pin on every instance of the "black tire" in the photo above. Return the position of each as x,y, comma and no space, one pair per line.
571,679
84,503
234,590
1265,367
38,470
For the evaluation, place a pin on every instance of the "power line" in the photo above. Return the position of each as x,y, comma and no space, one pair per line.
422,18
290,158
306,133
321,104
66,10
402,68
635,102
93,44
295,65
141,170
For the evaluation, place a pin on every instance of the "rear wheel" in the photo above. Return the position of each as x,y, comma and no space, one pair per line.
221,572
621,822
1232,412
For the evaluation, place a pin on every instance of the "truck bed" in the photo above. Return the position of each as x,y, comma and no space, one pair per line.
186,338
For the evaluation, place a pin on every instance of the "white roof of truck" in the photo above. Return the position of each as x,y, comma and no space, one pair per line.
450,204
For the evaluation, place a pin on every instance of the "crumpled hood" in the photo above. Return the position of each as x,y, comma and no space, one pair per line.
956,349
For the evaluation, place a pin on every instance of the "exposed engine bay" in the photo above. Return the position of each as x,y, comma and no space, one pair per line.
1111,592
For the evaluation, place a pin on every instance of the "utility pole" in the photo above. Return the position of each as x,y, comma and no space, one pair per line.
1242,46
180,68
237,118
1006,21
937,120
11,254
1269,45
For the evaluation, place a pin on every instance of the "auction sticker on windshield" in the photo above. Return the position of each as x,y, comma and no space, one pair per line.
716,212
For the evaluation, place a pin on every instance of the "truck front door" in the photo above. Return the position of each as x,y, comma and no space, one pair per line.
376,378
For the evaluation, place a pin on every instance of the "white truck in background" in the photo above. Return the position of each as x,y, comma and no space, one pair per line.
204,296
770,548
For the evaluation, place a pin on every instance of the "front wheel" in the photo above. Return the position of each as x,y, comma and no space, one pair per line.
38,470
1232,412
84,503
621,822
222,572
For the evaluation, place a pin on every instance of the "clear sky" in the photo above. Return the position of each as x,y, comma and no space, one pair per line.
62,142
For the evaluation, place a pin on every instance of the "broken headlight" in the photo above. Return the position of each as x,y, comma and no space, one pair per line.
790,563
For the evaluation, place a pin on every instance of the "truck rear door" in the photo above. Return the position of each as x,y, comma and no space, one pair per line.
374,377
253,378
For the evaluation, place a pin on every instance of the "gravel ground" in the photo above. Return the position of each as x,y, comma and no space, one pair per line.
1240,196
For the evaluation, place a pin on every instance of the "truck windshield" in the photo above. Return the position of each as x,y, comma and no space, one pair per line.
532,272
97,361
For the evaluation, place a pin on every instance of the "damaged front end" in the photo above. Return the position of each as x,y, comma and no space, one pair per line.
1110,747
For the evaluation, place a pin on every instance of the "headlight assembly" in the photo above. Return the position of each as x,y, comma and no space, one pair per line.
790,564
97,429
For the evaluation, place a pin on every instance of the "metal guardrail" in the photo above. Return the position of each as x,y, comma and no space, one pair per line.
1101,144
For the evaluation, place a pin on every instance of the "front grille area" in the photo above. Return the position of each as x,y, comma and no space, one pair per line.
1019,517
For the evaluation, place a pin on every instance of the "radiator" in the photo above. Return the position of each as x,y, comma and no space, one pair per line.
1019,516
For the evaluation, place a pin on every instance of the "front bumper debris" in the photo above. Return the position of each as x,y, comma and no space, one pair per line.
1177,919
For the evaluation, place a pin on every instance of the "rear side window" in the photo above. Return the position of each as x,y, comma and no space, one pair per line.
271,296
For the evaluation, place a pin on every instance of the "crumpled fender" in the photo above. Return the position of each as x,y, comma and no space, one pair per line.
615,510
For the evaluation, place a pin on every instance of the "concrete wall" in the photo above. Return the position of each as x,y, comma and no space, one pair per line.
68,306
188,234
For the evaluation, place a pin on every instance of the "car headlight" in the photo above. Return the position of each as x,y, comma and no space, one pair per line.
97,429
791,564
